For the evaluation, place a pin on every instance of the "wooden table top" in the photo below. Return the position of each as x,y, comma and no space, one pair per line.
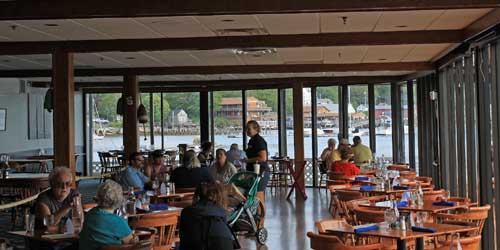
27,176
426,207
173,195
26,160
386,232
45,237
378,190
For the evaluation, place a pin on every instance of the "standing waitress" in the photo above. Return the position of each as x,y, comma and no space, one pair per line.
257,153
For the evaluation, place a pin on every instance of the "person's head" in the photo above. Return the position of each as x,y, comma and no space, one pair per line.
234,146
61,180
356,140
346,153
158,157
109,195
206,146
190,160
220,156
344,143
331,143
136,160
211,192
252,128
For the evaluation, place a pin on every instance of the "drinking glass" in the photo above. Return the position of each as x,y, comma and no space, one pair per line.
421,217
390,216
156,184
29,223
446,195
48,220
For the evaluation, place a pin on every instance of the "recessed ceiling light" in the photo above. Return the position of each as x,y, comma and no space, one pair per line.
130,58
382,59
227,20
51,24
401,26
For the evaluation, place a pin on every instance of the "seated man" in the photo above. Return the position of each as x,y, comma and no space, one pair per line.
133,176
58,201
344,166
362,154
102,226
237,156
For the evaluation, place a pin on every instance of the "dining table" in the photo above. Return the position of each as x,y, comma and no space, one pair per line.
24,184
297,175
40,165
427,206
402,236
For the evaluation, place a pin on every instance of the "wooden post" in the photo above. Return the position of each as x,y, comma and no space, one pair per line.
204,117
130,102
64,110
298,131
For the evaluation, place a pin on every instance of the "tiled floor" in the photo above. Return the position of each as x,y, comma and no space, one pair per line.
287,221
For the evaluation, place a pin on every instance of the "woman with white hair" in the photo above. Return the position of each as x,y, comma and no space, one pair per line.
190,174
56,202
102,226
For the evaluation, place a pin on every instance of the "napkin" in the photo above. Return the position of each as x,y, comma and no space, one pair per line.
158,206
402,204
423,229
361,178
444,203
366,228
401,187
366,188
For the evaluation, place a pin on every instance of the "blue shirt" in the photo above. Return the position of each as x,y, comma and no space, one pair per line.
134,178
102,228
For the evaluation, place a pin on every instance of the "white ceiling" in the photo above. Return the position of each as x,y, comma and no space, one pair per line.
201,26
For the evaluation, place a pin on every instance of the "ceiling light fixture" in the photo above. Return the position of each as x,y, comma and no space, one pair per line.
401,26
51,24
130,58
255,51
382,59
344,19
227,20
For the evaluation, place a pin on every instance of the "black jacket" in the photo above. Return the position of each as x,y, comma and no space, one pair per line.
203,227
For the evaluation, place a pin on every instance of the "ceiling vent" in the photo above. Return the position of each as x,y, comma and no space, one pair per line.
241,32
255,52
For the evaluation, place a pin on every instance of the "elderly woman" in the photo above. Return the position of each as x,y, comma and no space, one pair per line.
326,156
222,169
156,169
56,202
102,226
190,174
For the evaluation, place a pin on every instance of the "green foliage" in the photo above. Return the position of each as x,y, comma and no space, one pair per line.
189,102
106,106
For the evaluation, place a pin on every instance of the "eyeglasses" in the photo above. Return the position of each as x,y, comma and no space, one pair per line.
63,184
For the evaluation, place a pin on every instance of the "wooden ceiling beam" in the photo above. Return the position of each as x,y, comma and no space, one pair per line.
62,9
236,42
231,69
484,23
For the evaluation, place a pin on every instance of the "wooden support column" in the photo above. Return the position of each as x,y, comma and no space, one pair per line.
64,110
204,117
130,102
298,132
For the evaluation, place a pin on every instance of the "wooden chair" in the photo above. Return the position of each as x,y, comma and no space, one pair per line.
109,163
409,175
165,225
364,216
334,207
323,173
424,179
343,197
143,245
337,176
328,242
89,205
473,216
323,225
398,167
434,195
468,243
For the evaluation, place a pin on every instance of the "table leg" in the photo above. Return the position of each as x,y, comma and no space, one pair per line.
420,243
401,244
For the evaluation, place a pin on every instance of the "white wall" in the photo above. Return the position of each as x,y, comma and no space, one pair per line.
15,138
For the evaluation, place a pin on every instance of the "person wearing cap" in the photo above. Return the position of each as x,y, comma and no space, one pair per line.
362,154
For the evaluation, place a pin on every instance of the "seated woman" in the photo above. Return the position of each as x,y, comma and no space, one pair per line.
156,169
205,156
222,169
102,226
203,225
190,174
58,201
344,166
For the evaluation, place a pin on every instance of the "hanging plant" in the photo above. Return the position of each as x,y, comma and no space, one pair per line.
48,102
119,106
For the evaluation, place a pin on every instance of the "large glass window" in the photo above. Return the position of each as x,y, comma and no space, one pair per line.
262,106
404,110
383,121
181,119
107,125
228,119
358,122
327,110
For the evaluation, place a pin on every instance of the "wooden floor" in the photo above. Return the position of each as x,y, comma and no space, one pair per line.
288,221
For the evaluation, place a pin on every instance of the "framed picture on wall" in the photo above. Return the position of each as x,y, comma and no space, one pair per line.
3,119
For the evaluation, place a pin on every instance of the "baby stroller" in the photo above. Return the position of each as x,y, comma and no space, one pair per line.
248,213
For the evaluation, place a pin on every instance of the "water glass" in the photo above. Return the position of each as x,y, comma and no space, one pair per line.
421,217
48,220
390,217
446,195
29,223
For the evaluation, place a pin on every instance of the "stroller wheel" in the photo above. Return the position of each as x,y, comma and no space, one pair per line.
262,235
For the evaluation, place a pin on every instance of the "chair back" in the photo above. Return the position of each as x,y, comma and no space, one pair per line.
473,216
434,194
328,242
468,243
336,176
89,205
143,245
364,216
424,179
398,167
343,197
323,225
164,223
409,175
